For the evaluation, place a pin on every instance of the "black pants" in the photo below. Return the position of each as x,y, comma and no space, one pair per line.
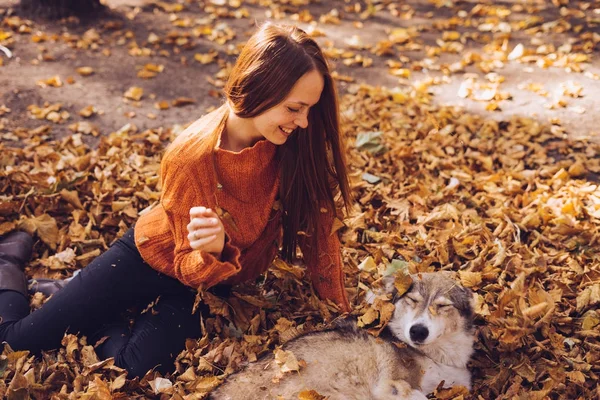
92,304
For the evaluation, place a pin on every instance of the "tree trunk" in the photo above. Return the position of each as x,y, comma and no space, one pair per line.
60,8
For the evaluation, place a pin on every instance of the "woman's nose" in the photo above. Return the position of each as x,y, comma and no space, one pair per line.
302,120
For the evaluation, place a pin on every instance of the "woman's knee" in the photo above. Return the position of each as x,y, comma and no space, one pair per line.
138,361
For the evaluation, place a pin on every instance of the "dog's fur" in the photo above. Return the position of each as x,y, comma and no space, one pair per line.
434,320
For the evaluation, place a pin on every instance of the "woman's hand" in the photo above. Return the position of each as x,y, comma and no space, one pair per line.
205,231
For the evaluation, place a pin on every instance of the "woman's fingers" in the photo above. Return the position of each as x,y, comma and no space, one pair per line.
198,212
202,223
203,232
201,243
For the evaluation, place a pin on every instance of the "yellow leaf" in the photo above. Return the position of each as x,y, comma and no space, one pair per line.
576,376
46,228
536,310
368,265
286,360
18,387
450,36
161,385
71,197
55,81
71,344
145,74
399,97
87,111
85,71
492,106
399,36
154,67
400,72
205,58
368,318
14,356
119,205
134,93
162,105
470,279
183,101
517,52
310,395
402,282
119,382
206,384
591,319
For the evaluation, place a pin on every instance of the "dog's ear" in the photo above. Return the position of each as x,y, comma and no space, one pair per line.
388,284
398,284
463,301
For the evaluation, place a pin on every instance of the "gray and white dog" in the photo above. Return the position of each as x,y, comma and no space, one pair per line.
434,321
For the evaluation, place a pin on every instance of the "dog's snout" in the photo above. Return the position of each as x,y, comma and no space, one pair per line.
418,333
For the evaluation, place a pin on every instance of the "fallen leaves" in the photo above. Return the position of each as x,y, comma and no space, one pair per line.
286,360
54,81
50,112
134,93
149,71
310,395
183,101
207,58
85,71
44,226
510,205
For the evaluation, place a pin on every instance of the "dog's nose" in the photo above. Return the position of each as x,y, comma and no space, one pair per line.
418,333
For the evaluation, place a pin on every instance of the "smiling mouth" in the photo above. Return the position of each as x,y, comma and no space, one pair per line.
286,131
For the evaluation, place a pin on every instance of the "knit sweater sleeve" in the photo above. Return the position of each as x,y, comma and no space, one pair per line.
195,268
326,272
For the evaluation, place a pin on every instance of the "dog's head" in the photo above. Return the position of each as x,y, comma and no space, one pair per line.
435,310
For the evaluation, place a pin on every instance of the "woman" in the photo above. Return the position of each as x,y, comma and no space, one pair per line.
268,160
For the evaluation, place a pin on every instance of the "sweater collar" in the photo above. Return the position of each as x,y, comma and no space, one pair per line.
255,163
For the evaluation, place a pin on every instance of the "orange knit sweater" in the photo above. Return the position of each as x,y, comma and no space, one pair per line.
250,186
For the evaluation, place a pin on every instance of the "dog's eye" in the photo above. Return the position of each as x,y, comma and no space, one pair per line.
411,300
444,306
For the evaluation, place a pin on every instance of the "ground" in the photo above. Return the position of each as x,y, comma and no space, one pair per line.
116,51
468,126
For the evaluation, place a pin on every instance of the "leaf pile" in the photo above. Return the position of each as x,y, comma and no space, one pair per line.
509,205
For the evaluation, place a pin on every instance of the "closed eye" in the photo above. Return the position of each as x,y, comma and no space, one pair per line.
444,306
294,110
411,300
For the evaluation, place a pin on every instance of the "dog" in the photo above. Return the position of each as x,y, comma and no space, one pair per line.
434,320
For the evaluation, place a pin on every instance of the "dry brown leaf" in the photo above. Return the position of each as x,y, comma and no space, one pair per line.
183,101
85,71
44,227
134,93
286,360
310,395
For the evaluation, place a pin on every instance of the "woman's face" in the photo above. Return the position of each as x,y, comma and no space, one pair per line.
279,122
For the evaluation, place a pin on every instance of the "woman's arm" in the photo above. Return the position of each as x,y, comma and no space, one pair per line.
195,268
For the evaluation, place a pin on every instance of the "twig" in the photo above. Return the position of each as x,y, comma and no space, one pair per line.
6,51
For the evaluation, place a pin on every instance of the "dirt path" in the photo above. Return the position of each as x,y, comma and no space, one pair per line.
422,45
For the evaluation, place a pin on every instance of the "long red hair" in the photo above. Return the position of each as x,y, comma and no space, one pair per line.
312,162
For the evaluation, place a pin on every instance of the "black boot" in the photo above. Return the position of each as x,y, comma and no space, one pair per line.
15,251
46,286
